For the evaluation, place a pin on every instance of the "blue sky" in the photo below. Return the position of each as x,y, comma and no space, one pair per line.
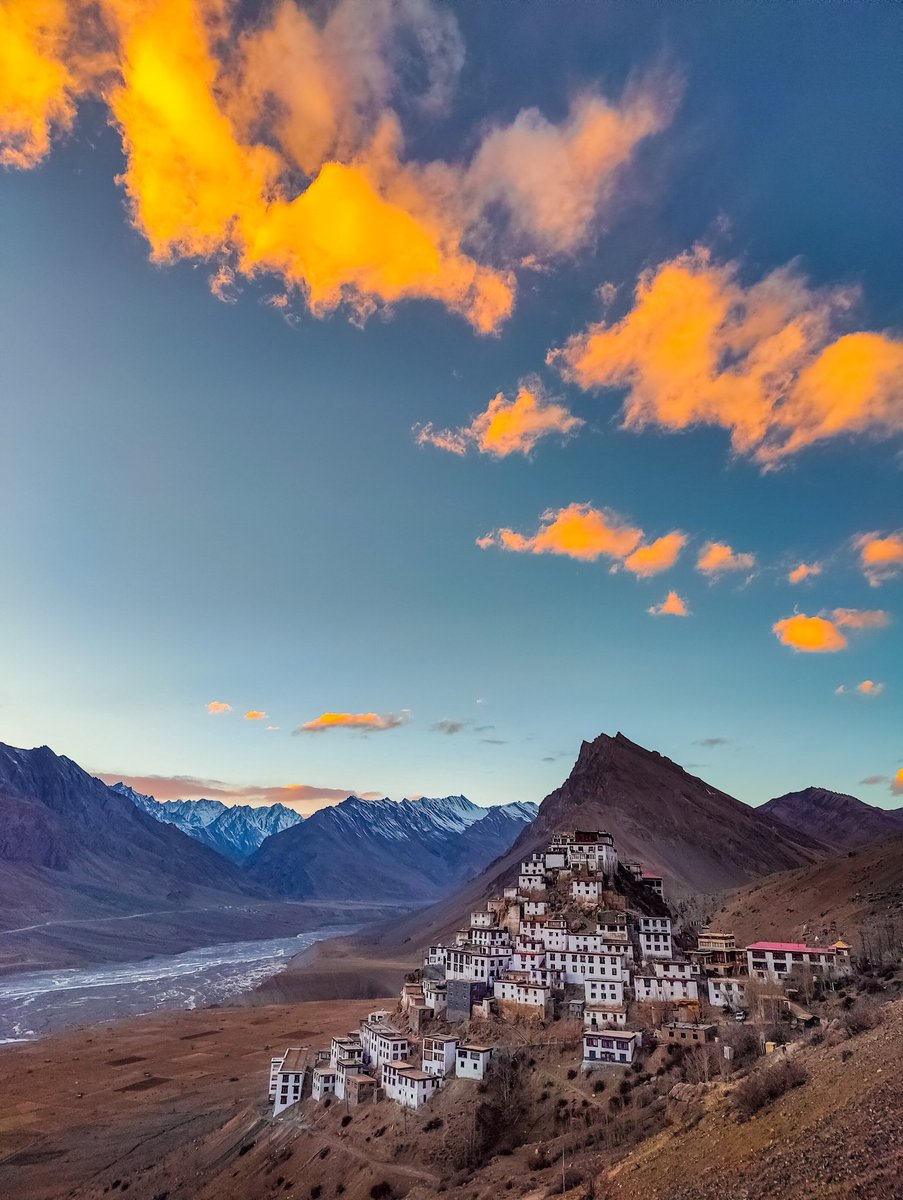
204,501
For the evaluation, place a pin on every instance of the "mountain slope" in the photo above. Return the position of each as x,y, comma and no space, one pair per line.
409,850
845,895
843,821
72,847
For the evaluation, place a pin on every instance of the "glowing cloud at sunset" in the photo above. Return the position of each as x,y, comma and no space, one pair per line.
256,715
672,606
716,558
276,149
588,534
217,707
766,361
507,426
881,557
362,722
824,634
804,571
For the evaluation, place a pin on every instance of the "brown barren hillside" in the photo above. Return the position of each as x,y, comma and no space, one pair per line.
833,898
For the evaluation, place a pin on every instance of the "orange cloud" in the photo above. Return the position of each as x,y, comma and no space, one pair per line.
896,784
587,534
804,571
868,687
218,706
657,556
256,715
671,606
812,635
35,84
364,722
275,148
762,361
824,634
715,558
507,426
881,557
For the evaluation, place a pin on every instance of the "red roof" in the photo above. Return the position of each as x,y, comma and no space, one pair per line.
791,947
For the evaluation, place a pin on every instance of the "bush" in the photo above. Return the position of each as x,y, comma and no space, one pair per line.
572,1074
763,1086
381,1191
346,1120
860,1017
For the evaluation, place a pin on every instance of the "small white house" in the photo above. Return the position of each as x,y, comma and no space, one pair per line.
408,1085
603,991
287,1078
609,1046
667,988
655,937
727,993
438,1055
534,908
482,920
323,1083
604,1016
381,1042
472,1061
587,890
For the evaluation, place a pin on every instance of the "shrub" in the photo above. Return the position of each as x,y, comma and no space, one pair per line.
346,1120
572,1074
763,1086
381,1191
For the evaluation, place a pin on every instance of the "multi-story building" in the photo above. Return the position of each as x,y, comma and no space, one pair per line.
407,1084
655,937
287,1078
438,1055
609,1046
727,991
381,1042
778,960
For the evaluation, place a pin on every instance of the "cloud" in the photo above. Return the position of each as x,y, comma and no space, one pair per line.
446,725
896,784
712,742
507,426
215,707
256,715
881,557
493,741
812,635
868,687
803,572
303,797
716,558
861,618
657,556
552,182
587,534
765,361
273,728
872,780
672,606
363,722
273,147
483,728
823,634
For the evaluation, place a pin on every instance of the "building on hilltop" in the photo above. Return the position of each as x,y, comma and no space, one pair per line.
778,960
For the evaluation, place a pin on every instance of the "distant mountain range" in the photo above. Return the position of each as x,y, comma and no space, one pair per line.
363,849
842,821
235,831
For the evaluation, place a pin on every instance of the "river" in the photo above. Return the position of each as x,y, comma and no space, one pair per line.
37,1003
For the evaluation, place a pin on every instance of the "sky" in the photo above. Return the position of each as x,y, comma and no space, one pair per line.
395,395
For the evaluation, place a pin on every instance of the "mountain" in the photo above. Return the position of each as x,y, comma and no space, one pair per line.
71,847
700,839
852,895
369,849
842,821
234,831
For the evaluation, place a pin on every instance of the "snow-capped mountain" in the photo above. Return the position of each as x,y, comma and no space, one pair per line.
386,849
234,831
